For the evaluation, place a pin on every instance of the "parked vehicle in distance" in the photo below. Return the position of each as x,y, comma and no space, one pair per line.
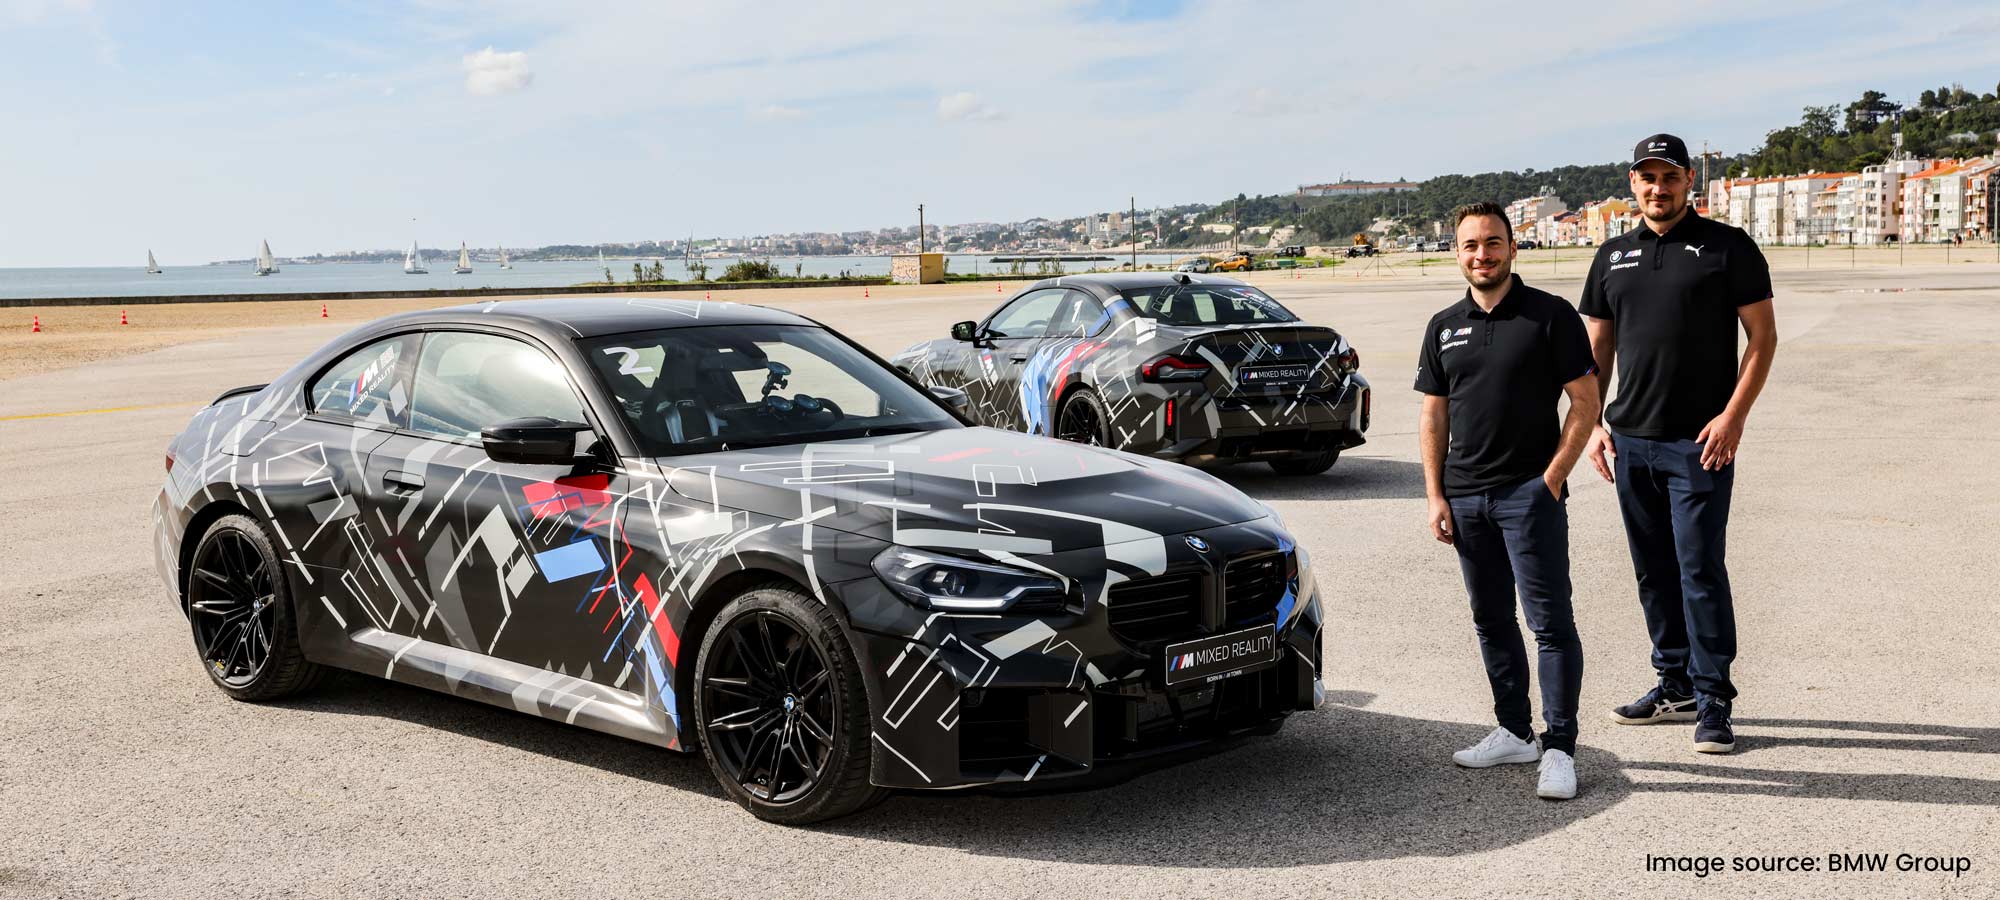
1236,263
1293,251
1198,264
723,529
1203,370
1526,244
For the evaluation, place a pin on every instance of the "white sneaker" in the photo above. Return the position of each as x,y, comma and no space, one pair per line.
1499,748
1558,781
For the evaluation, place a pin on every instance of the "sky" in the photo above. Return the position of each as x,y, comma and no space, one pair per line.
196,129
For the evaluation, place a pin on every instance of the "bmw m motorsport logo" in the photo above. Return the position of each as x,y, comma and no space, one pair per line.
1199,545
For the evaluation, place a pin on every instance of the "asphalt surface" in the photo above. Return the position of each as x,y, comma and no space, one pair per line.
1869,722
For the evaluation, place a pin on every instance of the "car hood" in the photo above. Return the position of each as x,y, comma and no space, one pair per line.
965,489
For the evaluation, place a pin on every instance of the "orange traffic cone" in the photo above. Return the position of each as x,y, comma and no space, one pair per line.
38,326
322,309
864,292
121,318
996,289
707,295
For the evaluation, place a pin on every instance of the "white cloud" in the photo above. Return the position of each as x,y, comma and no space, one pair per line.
778,112
965,106
491,72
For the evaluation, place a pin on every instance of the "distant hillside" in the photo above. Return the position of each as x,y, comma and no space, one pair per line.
1944,122
1334,219
1948,121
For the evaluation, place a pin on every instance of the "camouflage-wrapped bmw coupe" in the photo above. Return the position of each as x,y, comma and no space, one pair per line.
728,530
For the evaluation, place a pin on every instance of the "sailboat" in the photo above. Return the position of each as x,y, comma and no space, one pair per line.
265,264
464,261
413,261
152,266
503,259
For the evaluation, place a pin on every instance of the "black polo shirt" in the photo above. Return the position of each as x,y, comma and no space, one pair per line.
1673,300
1502,372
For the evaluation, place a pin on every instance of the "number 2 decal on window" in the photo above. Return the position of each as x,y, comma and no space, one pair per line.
628,361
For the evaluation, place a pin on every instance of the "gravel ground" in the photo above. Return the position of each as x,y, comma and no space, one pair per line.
1861,555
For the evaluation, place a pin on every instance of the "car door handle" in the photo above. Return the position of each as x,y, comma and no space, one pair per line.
407,481
1019,359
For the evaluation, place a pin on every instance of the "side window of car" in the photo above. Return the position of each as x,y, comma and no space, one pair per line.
371,384
467,381
1028,316
1080,313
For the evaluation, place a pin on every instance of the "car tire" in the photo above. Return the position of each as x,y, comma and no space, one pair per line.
241,615
1083,402
842,786
1311,464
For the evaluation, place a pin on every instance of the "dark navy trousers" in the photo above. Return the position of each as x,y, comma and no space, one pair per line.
1676,520
1516,537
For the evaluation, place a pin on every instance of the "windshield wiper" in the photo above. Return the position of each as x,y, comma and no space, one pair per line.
824,437
885,430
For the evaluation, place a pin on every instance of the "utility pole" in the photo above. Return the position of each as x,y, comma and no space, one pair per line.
1133,228
920,228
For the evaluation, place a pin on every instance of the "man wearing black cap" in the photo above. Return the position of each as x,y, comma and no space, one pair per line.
1663,302
1496,470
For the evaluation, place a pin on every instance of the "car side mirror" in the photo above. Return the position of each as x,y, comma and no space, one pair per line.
953,397
965,331
535,441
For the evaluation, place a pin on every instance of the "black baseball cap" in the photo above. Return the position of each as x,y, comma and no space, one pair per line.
1663,147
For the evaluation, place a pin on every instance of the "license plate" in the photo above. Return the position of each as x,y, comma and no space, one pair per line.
1273,374
1221,656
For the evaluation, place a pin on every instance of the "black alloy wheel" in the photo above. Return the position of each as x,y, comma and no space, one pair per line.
239,608
1082,420
783,715
231,601
768,707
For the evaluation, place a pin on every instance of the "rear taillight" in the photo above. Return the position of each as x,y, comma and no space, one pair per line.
1169,367
1351,360
1367,407
170,460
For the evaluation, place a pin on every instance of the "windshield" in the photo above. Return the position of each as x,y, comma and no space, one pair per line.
1208,304
706,388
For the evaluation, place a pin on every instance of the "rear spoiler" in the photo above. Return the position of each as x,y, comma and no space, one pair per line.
238,391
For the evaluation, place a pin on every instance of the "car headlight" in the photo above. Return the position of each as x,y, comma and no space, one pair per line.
955,584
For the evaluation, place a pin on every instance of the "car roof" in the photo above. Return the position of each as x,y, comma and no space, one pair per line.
1114,282
566,318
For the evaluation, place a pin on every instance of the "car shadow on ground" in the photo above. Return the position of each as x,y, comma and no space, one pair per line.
351,694
1342,785
1353,478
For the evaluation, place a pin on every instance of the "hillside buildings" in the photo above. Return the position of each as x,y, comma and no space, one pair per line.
1926,201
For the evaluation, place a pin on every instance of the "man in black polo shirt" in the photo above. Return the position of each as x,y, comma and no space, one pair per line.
1663,302
1491,368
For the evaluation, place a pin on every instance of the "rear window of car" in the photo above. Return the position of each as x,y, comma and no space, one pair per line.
1208,304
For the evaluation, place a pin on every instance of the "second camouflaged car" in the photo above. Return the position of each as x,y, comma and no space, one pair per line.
1195,368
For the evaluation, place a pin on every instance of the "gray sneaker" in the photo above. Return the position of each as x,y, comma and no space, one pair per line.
1658,705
